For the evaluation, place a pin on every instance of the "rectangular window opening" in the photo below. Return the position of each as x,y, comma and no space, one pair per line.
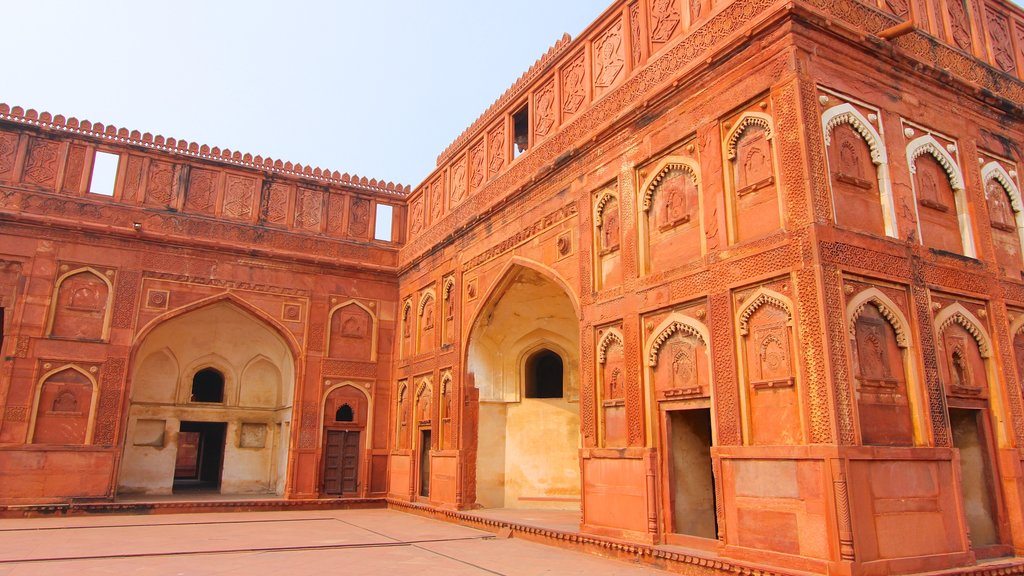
521,130
382,226
104,173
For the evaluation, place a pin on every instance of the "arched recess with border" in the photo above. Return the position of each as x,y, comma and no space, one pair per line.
755,206
846,115
405,339
671,227
1006,216
686,375
526,309
956,314
82,309
888,398
448,307
1017,343
403,416
607,238
773,413
426,321
335,397
444,412
226,334
352,336
57,407
610,396
926,205
980,424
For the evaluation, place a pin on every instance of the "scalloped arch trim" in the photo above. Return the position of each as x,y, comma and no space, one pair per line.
610,337
759,299
847,114
603,201
746,121
927,144
994,171
957,314
677,325
686,165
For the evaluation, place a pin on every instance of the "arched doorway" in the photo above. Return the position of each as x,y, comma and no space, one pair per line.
211,406
523,357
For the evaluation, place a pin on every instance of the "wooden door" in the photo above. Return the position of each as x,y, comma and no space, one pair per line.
341,462
350,462
332,461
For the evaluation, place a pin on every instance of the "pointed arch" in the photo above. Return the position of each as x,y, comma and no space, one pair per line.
927,144
612,336
108,305
508,272
367,394
374,325
90,425
447,287
888,309
759,298
428,293
661,169
248,389
846,114
674,323
289,338
745,121
956,313
995,171
208,361
606,196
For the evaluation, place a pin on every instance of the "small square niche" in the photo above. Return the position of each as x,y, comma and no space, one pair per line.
253,435
149,433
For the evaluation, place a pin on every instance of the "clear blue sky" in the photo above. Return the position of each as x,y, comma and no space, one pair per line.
377,89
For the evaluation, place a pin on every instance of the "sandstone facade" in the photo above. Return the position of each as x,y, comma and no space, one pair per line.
740,276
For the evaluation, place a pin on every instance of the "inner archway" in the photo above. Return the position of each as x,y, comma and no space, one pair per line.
211,406
523,355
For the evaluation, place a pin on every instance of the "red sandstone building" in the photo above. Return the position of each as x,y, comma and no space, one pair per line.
743,277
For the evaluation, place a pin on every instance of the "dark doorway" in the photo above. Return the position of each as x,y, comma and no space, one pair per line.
200,455
692,482
425,463
341,462
208,386
977,477
544,375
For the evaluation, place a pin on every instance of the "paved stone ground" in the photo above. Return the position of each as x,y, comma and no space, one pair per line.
350,542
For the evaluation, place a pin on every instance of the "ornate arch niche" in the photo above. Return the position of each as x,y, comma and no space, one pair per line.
81,306
944,222
448,310
64,407
755,207
406,339
965,352
426,314
884,381
424,403
1005,215
670,214
1017,334
607,238
403,414
611,389
678,357
771,398
859,170
444,412
352,332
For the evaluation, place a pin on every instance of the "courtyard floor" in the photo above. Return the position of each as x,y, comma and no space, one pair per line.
289,543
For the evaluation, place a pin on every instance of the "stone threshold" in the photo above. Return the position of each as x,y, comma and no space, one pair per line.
671,558
185,505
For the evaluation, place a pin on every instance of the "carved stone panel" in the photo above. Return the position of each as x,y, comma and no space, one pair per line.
351,333
609,59
62,415
359,218
201,196
80,308
937,211
881,389
774,403
239,196
160,184
854,178
8,154
42,162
